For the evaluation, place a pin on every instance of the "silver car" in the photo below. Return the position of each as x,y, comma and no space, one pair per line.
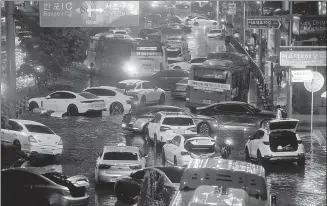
116,161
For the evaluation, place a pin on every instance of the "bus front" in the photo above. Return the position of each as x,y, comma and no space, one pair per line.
146,58
207,84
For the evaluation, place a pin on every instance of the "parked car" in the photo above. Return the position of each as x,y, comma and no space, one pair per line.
116,101
42,164
200,20
127,189
230,176
233,115
165,125
215,33
179,90
145,32
137,121
70,102
166,79
187,65
27,186
147,92
279,142
182,148
116,161
32,138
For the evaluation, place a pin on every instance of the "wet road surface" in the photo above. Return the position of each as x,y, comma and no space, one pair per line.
83,137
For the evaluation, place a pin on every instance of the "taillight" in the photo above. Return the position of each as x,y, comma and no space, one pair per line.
299,141
184,153
163,128
135,167
266,143
31,139
102,166
60,142
192,129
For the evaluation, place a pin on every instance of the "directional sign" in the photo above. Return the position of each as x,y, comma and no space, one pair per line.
232,9
263,24
89,13
302,58
302,75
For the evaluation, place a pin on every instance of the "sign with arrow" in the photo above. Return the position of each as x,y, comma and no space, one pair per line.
263,23
89,14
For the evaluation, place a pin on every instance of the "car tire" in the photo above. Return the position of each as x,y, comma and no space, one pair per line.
247,155
162,99
214,23
17,146
143,101
177,67
72,110
263,122
116,108
203,128
175,161
301,162
196,23
163,158
32,106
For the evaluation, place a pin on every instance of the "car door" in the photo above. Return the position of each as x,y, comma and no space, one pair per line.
175,149
255,142
153,125
6,133
50,102
242,116
150,92
17,131
66,98
168,146
159,78
225,116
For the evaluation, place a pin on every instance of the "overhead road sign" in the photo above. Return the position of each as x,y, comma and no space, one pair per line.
89,13
302,58
263,23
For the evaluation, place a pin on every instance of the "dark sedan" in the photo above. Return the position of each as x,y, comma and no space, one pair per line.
166,79
137,120
179,90
127,189
233,115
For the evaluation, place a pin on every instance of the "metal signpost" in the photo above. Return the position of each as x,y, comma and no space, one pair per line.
89,13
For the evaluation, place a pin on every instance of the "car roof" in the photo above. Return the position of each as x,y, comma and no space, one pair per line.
132,81
120,149
23,121
231,165
102,87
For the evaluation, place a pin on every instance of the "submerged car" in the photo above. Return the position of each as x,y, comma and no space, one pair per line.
277,142
229,176
35,163
138,120
116,161
127,189
30,186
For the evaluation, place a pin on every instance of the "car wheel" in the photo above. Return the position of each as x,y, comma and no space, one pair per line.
301,162
116,108
17,146
96,180
264,122
215,23
177,67
203,128
162,99
143,101
32,106
163,158
72,110
196,23
175,161
247,155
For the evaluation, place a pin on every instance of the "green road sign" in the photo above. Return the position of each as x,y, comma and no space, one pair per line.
89,14
263,23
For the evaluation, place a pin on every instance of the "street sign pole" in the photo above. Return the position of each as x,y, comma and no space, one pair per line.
290,88
261,46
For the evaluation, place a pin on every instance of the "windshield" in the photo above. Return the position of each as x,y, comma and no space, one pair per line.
178,121
88,95
215,31
254,109
173,53
120,156
38,129
120,32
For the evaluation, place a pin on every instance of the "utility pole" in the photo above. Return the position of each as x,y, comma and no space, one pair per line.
11,62
217,12
244,23
260,40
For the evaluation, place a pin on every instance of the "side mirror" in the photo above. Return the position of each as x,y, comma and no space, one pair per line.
273,200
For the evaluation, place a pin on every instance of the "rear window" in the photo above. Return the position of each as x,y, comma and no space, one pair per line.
38,129
120,32
88,95
178,121
120,156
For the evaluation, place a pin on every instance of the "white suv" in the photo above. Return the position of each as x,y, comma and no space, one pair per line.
165,125
277,142
147,92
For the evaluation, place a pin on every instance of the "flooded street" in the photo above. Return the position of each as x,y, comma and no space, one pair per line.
83,137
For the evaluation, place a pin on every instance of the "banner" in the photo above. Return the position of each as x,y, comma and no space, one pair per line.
307,27
208,85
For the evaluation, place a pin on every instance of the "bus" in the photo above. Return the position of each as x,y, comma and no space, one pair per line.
223,77
147,57
183,10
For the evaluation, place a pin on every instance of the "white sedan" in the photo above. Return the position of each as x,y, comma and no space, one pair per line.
115,100
176,54
187,65
70,102
178,152
215,33
31,138
200,20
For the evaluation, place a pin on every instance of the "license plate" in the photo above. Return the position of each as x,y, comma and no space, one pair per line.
202,142
179,131
47,151
207,101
